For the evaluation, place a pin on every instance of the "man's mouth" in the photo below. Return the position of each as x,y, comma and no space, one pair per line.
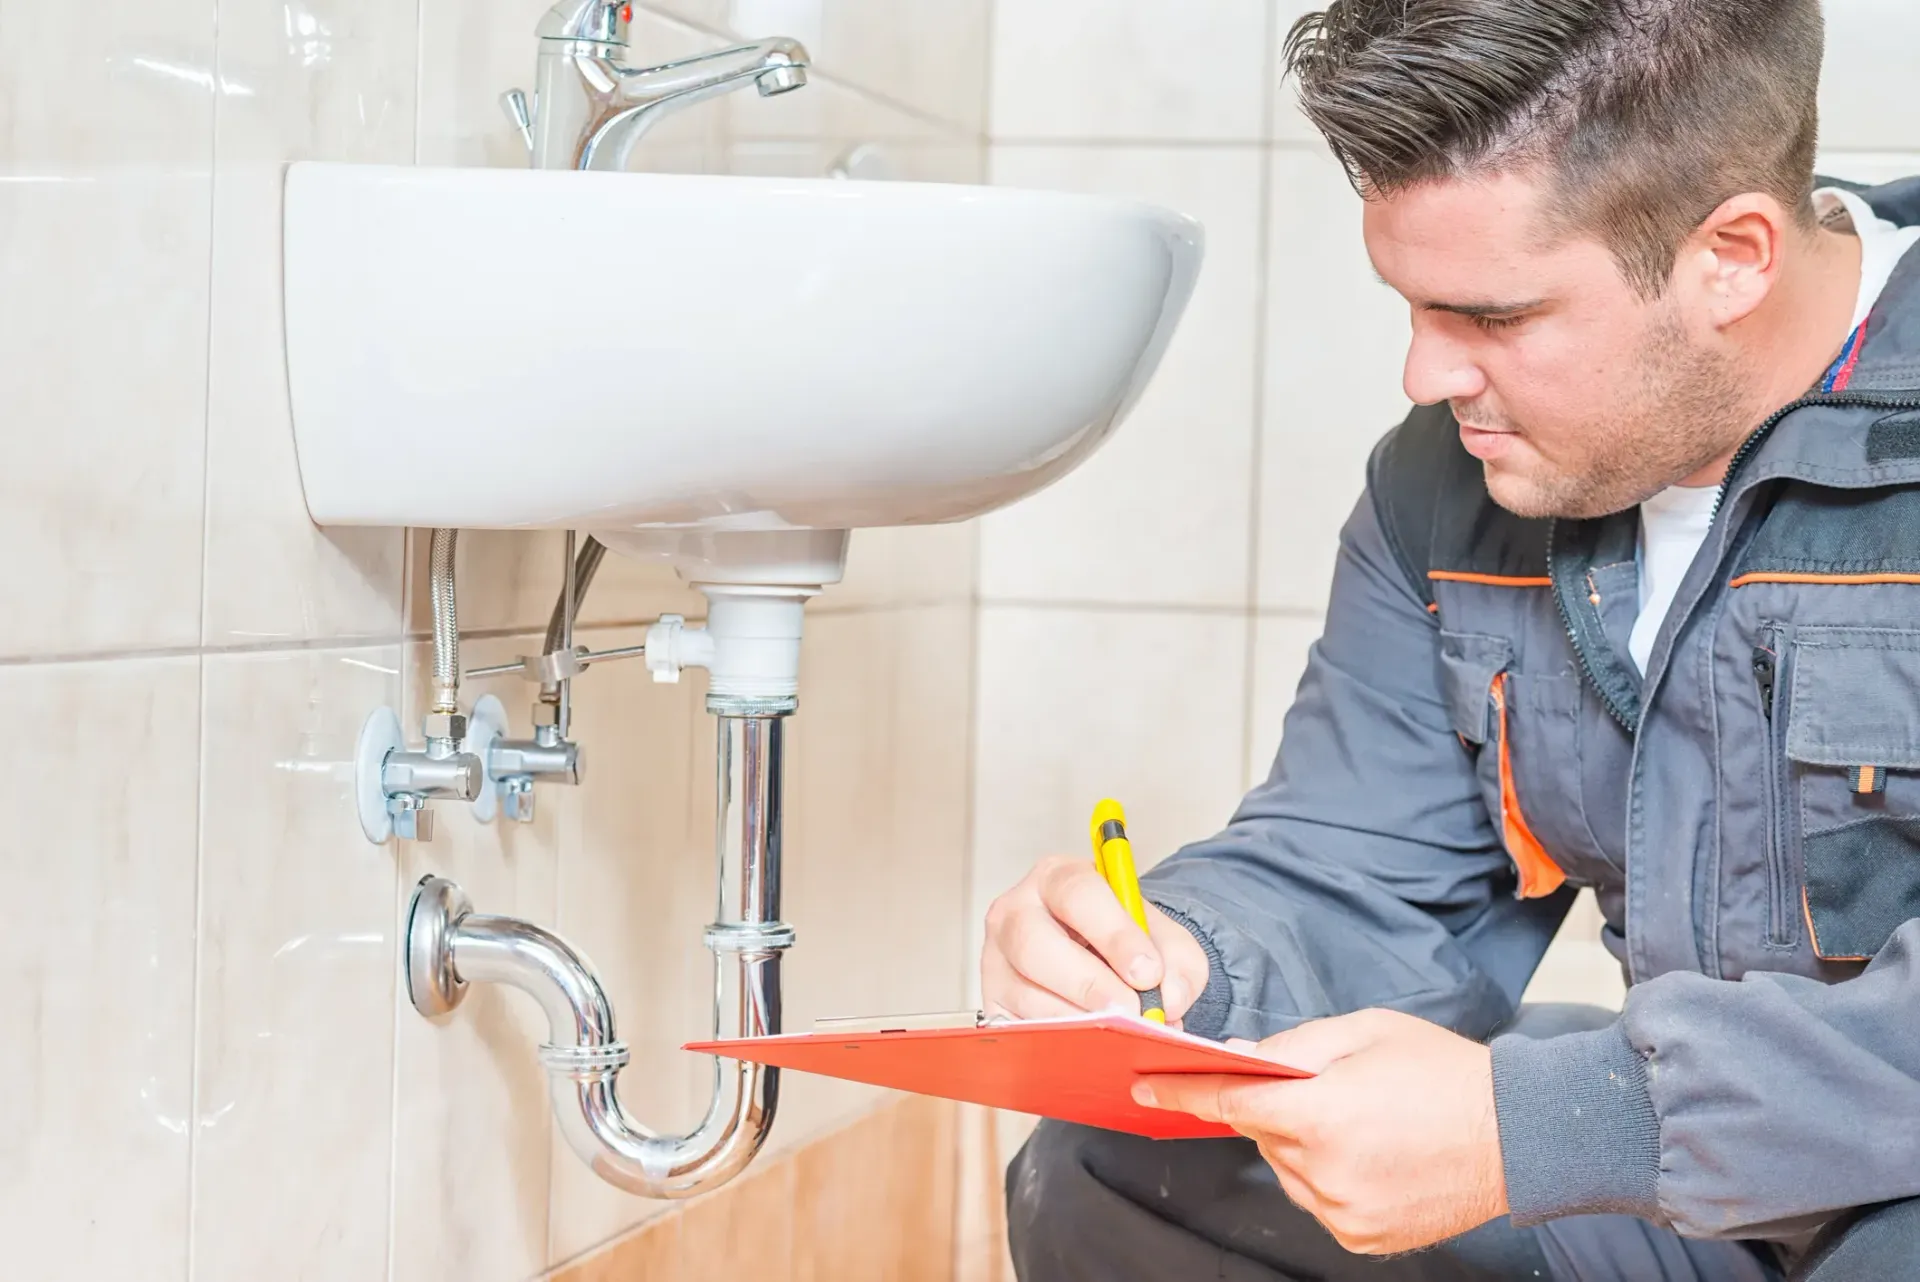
1486,443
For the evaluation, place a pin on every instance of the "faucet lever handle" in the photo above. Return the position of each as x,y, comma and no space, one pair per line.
514,103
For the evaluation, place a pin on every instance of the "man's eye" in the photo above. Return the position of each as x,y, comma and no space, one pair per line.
1493,323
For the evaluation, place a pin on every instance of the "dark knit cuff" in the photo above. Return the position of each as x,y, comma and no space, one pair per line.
1207,1017
1578,1133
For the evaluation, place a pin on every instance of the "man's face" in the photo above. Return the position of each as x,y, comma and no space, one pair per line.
1579,396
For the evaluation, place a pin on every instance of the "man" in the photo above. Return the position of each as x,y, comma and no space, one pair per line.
1631,602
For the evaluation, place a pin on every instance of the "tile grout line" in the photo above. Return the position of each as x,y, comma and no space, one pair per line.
393,907
199,949
1263,259
1120,142
1068,606
366,641
399,875
826,75
200,672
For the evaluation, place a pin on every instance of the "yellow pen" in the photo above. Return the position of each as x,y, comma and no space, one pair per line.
1113,860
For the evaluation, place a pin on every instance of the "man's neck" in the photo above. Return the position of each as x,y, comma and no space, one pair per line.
1795,335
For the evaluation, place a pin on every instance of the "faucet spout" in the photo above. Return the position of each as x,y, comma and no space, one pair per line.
773,66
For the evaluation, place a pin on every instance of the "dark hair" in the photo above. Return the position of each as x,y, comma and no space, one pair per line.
1646,114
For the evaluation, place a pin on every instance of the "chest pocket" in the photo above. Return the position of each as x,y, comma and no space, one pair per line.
1849,799
1525,731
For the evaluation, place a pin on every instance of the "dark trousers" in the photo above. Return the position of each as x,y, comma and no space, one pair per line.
1086,1205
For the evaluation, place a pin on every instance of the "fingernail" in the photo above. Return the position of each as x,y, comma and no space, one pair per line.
1174,994
1140,972
1143,1094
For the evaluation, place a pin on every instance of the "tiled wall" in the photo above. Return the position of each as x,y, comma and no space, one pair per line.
206,1071
1143,623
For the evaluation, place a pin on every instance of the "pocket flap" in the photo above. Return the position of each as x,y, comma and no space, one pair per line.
1856,697
1469,661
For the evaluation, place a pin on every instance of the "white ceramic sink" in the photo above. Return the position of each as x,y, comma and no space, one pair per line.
516,348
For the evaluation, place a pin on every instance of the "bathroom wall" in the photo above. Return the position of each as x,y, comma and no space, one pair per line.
206,1071
1144,622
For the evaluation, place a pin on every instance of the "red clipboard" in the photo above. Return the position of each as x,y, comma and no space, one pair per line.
1076,1070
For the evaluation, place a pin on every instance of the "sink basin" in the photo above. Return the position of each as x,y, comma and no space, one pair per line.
487,348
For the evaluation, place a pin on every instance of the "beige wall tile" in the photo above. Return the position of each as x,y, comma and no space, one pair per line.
1287,124
714,13
1280,645
980,1211
1160,513
96,969
930,55
874,1202
1870,166
1336,344
1147,708
906,565
651,1255
331,80
1142,69
105,144
297,967
473,1128
1865,103
743,1231
877,832
100,500
1578,967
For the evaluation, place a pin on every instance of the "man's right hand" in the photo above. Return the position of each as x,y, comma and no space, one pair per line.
1059,943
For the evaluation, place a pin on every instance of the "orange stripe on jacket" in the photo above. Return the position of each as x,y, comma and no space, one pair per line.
1539,874
1786,577
1490,580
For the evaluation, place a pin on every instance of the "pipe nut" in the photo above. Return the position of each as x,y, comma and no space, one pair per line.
585,1063
546,714
445,725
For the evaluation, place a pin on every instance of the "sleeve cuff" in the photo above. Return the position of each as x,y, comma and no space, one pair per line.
1578,1132
1207,1017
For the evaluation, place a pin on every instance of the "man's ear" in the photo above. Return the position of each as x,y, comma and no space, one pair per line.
1733,259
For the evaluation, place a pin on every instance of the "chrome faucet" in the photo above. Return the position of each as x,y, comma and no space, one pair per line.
590,107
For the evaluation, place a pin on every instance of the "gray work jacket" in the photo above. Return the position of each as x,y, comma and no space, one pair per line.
1471,728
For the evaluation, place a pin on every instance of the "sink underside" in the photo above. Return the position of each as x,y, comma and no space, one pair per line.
512,349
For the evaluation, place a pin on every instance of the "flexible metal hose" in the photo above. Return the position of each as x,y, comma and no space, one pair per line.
585,564
446,624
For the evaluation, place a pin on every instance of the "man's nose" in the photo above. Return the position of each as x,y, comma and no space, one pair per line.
1439,369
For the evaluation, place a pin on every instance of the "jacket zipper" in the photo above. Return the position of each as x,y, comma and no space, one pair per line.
1752,444
1566,622
1746,451
1766,675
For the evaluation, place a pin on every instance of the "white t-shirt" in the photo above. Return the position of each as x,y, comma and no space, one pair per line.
1673,523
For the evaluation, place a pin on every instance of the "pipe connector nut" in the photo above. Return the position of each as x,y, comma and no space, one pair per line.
445,725
585,1063
749,937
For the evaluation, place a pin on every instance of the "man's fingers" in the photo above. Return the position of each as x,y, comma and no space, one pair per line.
1313,1046
1248,1106
1183,961
1079,899
1040,951
1007,992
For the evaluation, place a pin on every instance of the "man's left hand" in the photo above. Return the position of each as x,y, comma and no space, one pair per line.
1393,1146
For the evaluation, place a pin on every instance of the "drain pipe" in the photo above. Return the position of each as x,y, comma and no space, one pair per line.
751,647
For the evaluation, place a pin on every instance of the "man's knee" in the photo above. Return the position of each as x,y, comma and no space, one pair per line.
1053,1199
1876,1245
